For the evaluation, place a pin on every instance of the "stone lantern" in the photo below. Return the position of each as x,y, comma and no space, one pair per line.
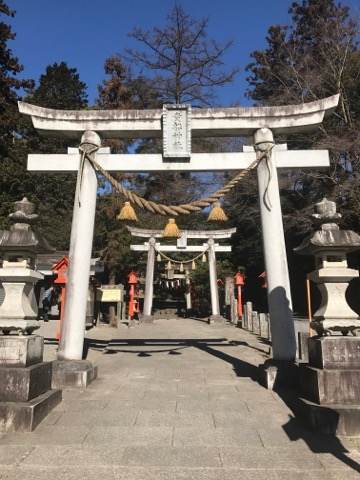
26,396
18,249
329,384
330,245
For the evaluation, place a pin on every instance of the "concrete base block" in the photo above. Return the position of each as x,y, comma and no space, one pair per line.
329,419
20,384
330,386
25,416
21,351
72,373
216,319
276,374
147,319
337,352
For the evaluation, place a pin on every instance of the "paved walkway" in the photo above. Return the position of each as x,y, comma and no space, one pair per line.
176,400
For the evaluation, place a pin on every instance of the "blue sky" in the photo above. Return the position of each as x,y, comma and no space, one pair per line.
85,32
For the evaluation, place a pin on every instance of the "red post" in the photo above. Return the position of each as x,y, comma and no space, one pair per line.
60,269
132,281
239,282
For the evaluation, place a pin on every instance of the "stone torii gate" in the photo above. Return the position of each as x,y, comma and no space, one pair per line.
210,247
176,124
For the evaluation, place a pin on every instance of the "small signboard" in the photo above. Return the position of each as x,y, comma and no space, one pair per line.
177,131
109,295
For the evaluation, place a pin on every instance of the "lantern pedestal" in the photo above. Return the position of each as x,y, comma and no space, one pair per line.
26,396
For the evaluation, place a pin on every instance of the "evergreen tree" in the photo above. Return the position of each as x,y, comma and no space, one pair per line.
315,56
53,194
9,83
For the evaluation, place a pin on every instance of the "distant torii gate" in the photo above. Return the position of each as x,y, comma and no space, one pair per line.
176,124
210,247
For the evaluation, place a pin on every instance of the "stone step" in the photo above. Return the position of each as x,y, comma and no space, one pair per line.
20,384
330,386
342,420
25,416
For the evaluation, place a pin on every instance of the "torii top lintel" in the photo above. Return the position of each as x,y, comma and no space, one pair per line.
206,234
206,122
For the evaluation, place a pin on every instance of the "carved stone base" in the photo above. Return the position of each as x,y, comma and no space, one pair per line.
21,351
331,326
20,326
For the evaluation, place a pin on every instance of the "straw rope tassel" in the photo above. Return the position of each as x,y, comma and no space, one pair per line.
217,214
127,213
171,229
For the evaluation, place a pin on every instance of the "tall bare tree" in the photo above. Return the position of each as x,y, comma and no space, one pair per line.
186,63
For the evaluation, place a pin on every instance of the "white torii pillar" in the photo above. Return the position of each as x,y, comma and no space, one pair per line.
215,308
277,274
149,283
81,240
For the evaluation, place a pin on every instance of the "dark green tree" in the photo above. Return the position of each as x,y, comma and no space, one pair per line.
60,87
53,194
315,56
9,83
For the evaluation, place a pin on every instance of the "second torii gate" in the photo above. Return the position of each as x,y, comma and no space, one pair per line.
210,247
176,124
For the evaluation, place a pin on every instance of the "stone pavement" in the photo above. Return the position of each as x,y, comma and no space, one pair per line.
176,400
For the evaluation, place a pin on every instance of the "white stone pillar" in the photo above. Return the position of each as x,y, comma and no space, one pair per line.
82,230
215,309
277,275
149,282
188,292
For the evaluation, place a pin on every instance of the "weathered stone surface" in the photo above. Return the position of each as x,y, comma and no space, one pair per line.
149,319
21,351
72,373
337,352
216,319
25,416
329,419
330,386
303,348
20,384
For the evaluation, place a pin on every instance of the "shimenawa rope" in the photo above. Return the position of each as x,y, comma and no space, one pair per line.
87,151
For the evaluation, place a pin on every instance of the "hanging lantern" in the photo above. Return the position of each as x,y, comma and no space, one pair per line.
217,213
193,265
127,213
169,265
158,258
181,267
171,229
203,258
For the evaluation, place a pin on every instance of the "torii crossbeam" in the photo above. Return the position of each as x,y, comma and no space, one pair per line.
176,123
